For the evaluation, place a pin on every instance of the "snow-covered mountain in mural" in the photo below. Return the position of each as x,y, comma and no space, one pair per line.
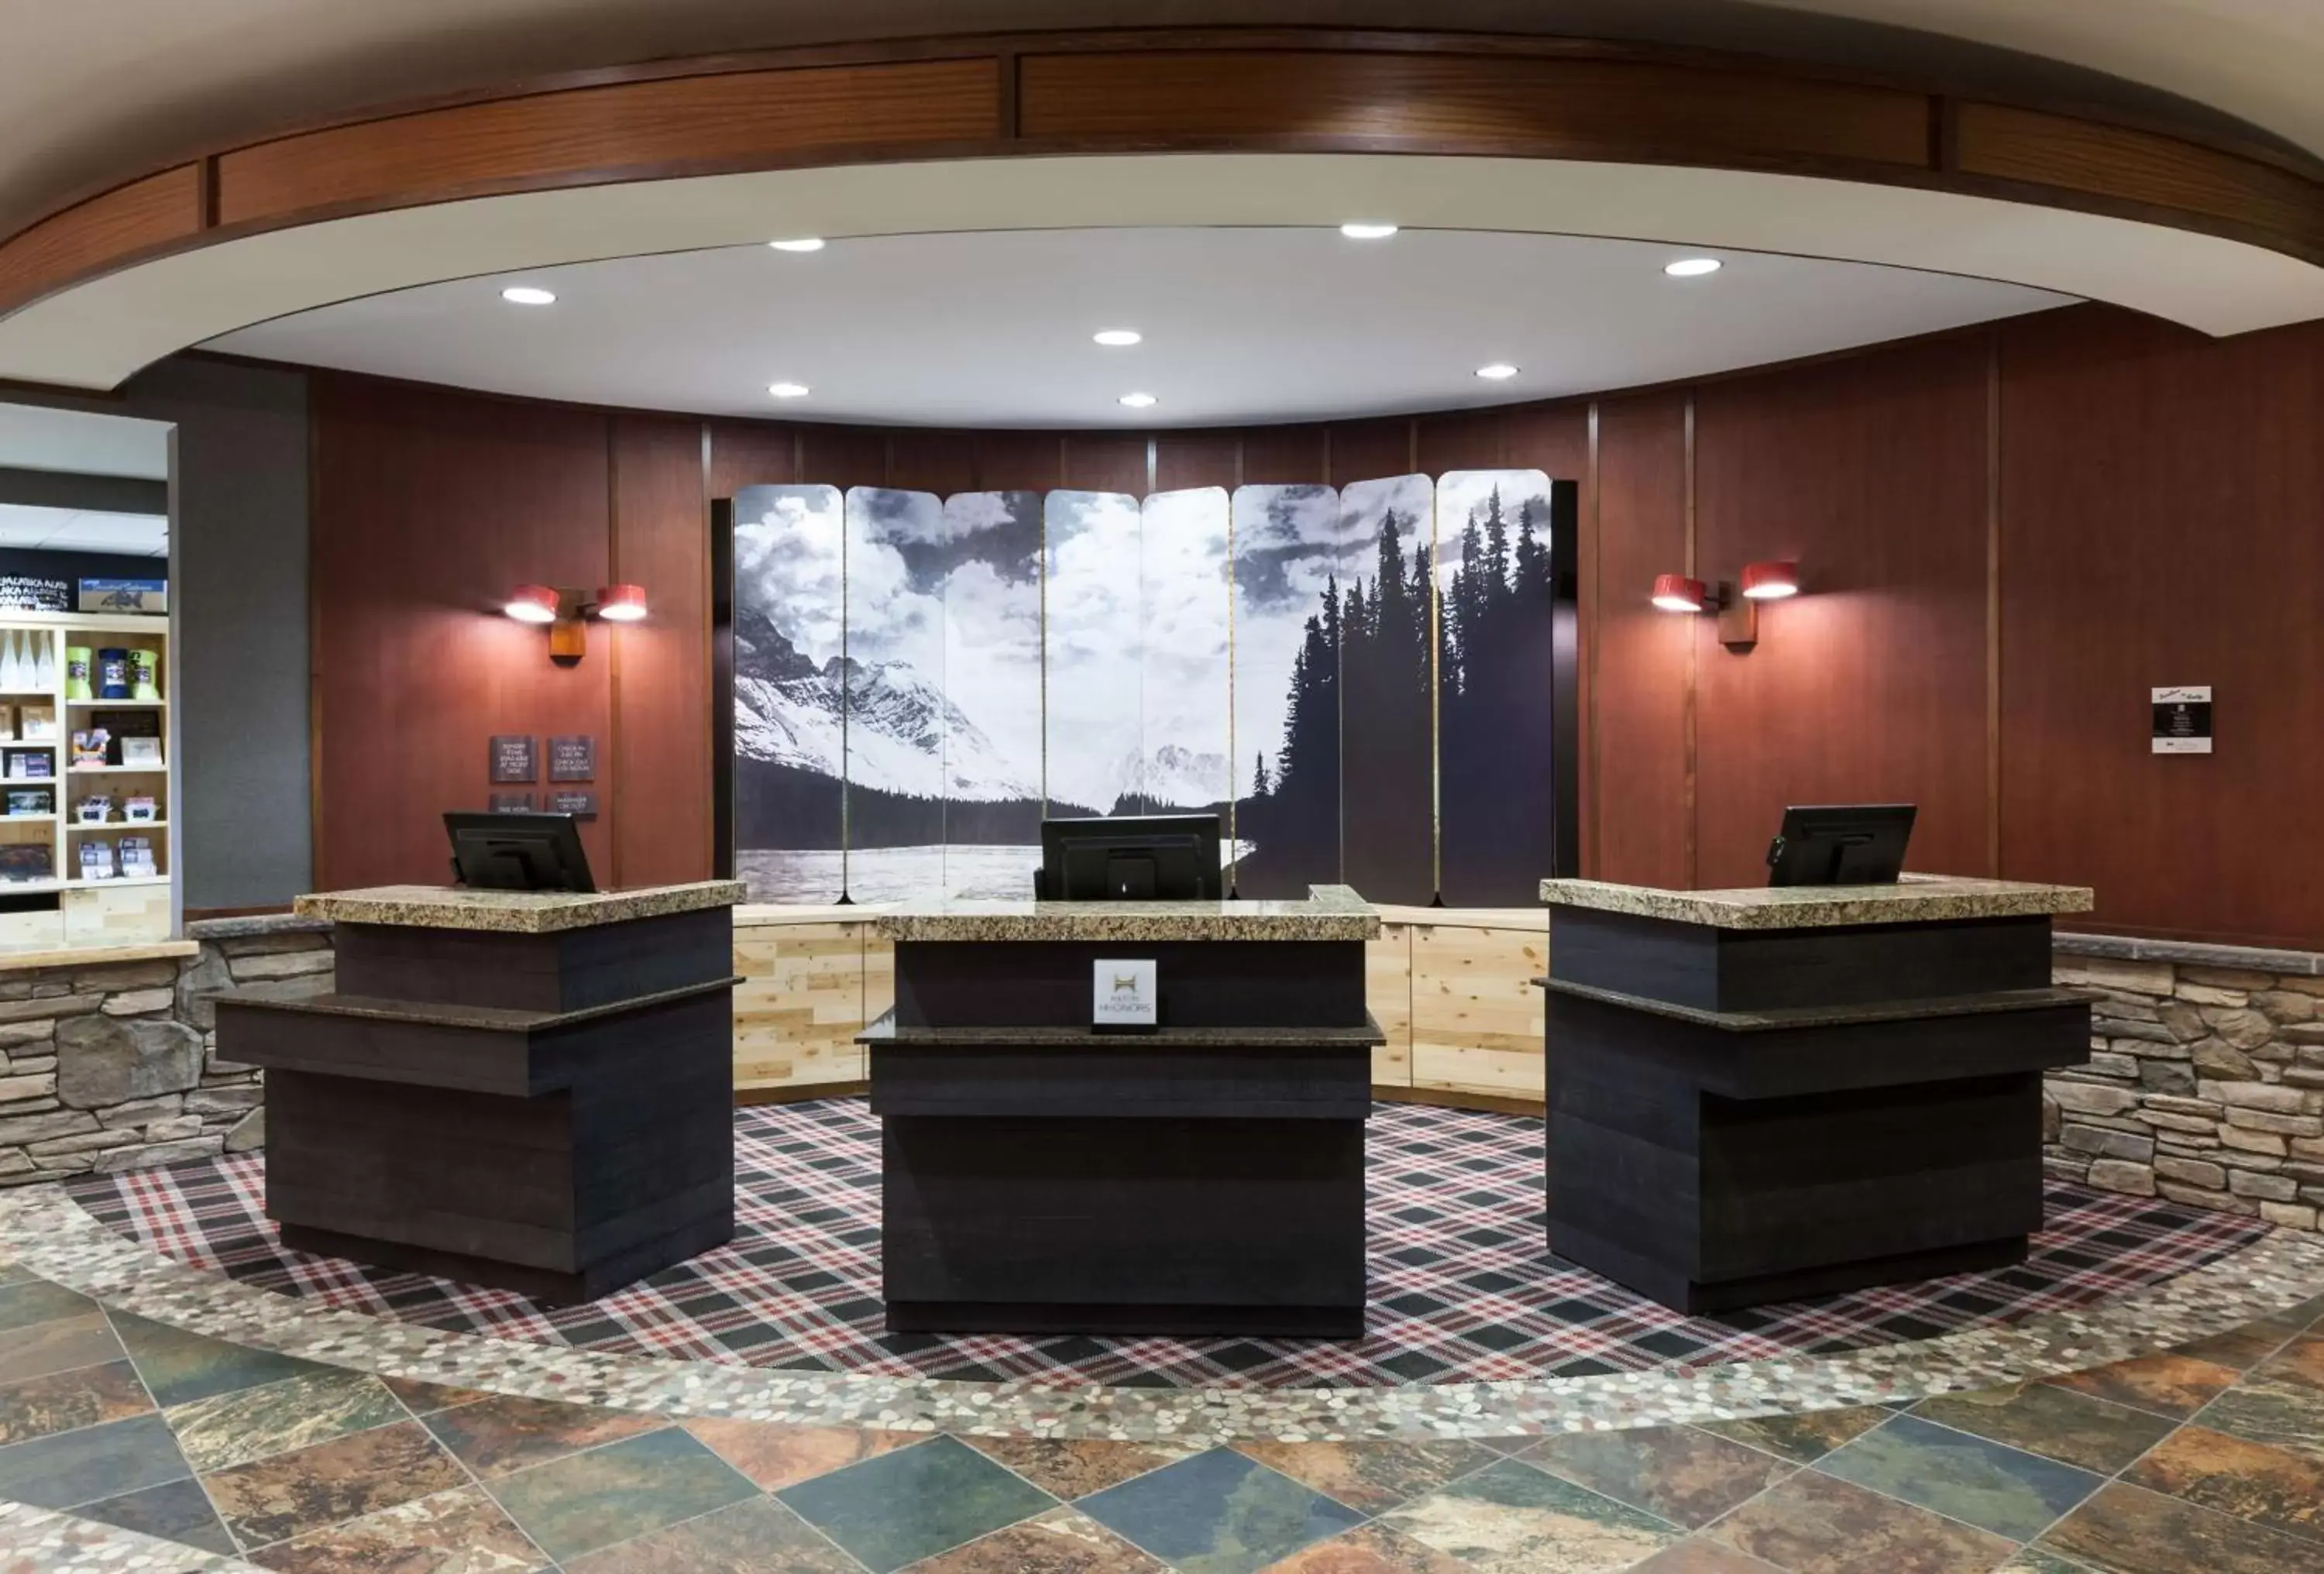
1173,778
790,712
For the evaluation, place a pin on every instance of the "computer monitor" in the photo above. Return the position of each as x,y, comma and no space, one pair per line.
1840,844
1165,858
517,851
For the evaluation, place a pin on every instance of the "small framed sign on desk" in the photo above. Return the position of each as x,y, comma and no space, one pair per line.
1122,995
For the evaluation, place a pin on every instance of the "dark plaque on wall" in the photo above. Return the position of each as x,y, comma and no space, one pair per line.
35,592
581,806
573,758
512,757
512,803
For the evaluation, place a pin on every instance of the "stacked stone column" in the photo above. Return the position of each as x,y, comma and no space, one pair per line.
2205,1086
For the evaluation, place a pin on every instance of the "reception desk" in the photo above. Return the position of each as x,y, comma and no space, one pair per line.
524,1090
1203,1177
1763,1094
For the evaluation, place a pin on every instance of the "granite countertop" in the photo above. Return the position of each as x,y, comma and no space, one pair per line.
1917,899
513,912
1329,913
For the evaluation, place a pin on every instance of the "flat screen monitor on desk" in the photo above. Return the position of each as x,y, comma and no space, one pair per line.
1159,858
1840,844
517,853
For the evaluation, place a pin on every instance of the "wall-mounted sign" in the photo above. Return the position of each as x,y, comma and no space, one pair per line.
573,758
1123,993
512,803
125,595
2183,720
581,806
511,758
35,592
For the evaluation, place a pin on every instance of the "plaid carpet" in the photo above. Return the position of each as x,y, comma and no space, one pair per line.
1462,1289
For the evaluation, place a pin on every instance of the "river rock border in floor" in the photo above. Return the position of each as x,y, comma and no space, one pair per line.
54,1238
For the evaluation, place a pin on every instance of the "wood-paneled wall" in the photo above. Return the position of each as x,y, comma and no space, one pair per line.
2006,535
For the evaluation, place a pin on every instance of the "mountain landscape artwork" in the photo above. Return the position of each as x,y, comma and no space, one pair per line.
1358,679
790,618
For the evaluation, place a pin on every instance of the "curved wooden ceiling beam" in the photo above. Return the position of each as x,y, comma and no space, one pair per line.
1271,91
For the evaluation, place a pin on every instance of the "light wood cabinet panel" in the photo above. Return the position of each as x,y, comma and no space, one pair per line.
1387,990
1476,1016
799,1005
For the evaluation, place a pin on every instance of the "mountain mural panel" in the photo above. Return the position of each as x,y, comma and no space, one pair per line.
1185,756
991,558
1290,561
789,710
1093,628
1388,750
1495,682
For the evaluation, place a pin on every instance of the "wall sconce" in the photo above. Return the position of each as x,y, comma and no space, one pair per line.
1739,615
567,613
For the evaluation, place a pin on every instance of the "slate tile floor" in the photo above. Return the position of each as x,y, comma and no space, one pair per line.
2210,1458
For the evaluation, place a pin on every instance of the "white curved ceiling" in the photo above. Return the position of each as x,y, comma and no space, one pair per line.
100,333
1241,325
91,92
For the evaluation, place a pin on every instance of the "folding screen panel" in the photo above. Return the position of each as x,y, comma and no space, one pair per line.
789,707
1496,677
1092,653
1387,638
1185,743
1290,564
989,563
897,717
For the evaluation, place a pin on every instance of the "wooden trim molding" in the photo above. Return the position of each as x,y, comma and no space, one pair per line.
108,231
642,130
1156,89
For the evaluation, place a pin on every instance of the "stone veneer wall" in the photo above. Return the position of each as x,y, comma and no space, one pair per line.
2205,1078
114,1065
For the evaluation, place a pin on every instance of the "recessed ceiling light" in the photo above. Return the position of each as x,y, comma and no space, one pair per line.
788,389
528,295
1368,232
1498,371
1117,338
1692,267
804,244
1137,401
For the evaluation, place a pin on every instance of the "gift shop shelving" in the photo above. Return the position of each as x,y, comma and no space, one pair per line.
88,844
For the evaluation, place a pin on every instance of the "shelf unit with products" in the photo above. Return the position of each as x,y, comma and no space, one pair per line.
88,843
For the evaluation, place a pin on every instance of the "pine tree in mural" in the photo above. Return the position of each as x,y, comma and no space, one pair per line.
1295,816
1385,629
1494,706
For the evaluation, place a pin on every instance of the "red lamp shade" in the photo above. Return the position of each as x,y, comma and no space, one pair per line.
1771,581
1675,593
621,603
532,603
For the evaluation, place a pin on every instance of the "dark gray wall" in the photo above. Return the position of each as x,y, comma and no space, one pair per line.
238,599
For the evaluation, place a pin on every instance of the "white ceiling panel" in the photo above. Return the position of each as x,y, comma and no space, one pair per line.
994,328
